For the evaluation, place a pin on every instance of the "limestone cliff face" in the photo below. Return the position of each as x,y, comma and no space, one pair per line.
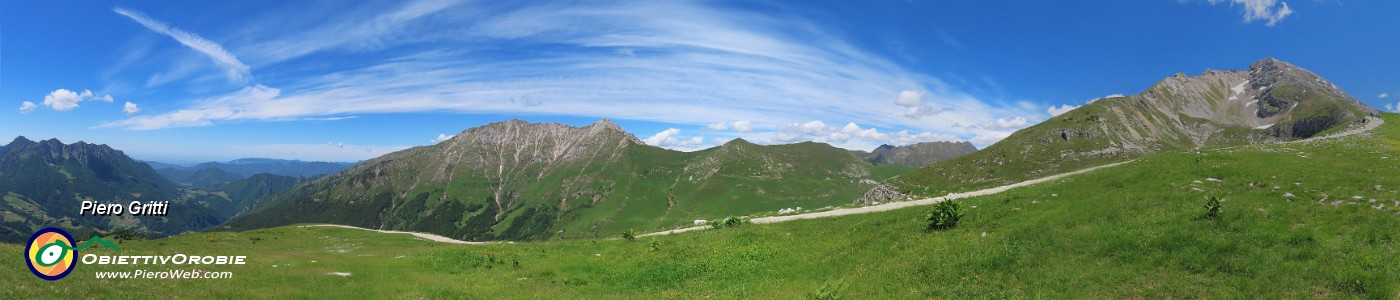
1270,101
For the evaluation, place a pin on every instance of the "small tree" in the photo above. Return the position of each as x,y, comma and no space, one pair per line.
945,216
1212,207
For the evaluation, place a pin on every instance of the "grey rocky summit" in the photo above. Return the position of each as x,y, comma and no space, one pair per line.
917,155
1271,101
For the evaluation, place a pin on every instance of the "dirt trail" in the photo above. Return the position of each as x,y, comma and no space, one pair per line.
894,205
429,236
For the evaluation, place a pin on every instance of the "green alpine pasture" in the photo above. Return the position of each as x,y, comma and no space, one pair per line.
1297,220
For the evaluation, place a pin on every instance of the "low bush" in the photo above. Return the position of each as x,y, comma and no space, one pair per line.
945,216
1212,208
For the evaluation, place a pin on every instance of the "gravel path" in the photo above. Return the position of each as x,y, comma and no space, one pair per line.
893,205
429,236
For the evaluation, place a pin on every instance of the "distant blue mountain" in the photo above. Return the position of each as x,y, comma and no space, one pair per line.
210,174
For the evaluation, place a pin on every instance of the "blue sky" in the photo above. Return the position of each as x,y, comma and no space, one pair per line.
190,81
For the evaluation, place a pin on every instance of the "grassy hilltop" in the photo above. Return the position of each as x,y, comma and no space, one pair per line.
1298,220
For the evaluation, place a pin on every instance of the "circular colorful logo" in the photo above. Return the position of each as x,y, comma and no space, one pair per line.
51,254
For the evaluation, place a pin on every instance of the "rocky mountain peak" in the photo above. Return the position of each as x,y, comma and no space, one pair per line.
917,155
606,124
1270,63
737,142
20,141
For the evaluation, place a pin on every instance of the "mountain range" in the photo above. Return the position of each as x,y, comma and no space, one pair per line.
1271,101
210,174
916,155
515,180
45,182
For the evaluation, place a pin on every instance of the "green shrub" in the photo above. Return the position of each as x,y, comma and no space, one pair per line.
945,216
729,222
1212,208
630,235
734,222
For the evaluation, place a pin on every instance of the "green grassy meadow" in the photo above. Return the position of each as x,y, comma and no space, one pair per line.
1297,221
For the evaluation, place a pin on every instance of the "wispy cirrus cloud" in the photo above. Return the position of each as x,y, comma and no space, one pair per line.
237,72
394,25
671,62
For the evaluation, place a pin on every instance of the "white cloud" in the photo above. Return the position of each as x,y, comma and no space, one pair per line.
253,102
914,104
1383,95
1270,11
440,138
391,26
909,98
65,100
671,139
1395,108
850,136
990,137
1064,108
740,126
743,126
1104,97
27,107
1016,122
237,72
130,108
62,100
700,64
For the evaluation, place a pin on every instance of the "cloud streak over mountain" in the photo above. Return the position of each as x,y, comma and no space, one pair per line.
678,63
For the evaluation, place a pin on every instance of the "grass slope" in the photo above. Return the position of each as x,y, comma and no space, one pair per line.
634,187
1130,231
